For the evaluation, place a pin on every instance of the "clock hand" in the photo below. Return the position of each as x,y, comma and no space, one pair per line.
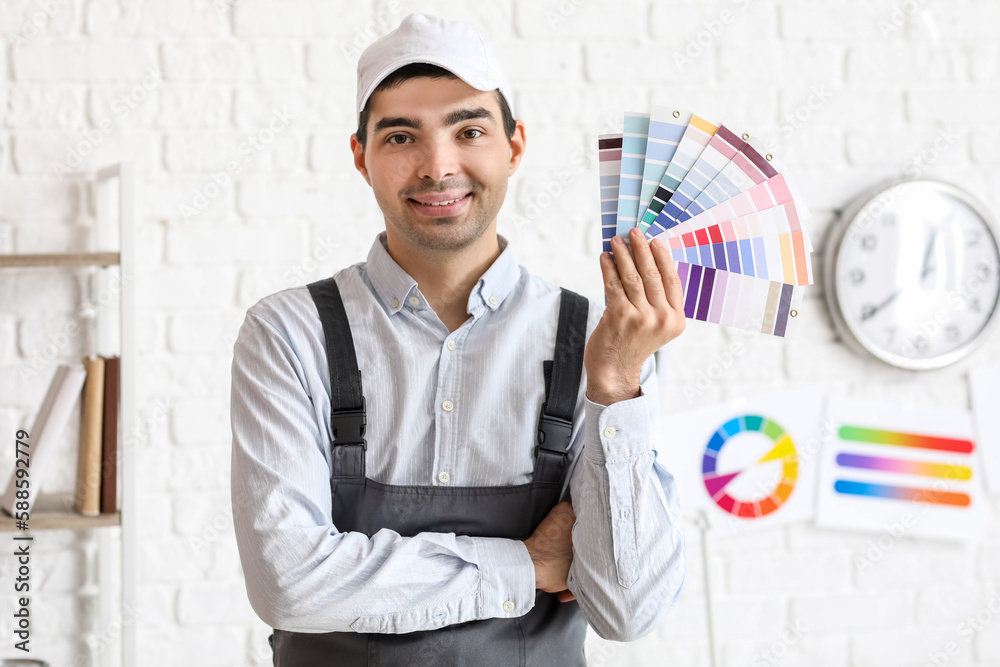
871,313
927,268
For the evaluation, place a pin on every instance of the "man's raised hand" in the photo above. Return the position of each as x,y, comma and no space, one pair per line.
645,311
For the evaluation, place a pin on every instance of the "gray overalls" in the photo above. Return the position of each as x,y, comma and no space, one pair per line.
552,633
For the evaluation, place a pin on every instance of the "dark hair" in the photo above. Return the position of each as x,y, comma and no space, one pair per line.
415,71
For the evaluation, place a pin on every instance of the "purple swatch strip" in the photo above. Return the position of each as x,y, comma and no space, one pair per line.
692,295
784,304
705,300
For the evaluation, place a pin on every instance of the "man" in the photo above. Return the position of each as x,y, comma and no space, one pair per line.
403,431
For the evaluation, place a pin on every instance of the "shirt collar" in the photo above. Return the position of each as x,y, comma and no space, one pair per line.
395,287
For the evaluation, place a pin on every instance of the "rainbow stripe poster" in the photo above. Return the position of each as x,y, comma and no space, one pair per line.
886,466
727,210
749,464
984,385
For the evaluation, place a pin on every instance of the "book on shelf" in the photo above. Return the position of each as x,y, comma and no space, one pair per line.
87,499
54,413
109,436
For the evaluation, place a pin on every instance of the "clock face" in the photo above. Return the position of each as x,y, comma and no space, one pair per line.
916,276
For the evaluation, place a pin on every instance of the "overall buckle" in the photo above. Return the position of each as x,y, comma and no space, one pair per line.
554,433
349,426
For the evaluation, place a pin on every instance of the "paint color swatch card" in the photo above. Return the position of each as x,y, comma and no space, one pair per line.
609,157
739,301
728,212
746,168
748,464
884,466
635,137
692,144
985,389
770,244
666,127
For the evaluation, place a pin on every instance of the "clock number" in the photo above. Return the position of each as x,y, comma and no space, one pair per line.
972,237
975,306
868,242
952,333
983,271
857,276
921,342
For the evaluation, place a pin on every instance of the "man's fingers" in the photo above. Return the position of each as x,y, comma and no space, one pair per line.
674,290
648,269
628,281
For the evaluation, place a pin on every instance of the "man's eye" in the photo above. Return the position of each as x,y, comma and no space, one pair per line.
473,134
399,139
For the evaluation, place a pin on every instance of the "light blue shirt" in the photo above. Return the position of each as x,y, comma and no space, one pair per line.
444,408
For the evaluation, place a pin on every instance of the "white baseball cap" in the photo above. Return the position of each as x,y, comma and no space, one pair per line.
421,38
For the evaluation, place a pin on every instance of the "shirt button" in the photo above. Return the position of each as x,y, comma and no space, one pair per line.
395,303
450,345
444,477
609,432
493,301
447,406
414,301
508,606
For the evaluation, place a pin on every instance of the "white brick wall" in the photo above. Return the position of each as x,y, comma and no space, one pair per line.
178,86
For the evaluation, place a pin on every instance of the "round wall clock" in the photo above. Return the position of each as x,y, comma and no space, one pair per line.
913,274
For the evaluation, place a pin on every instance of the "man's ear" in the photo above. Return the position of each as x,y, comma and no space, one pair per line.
517,145
359,158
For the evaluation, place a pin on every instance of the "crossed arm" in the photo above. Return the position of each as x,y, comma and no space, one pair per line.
304,575
643,313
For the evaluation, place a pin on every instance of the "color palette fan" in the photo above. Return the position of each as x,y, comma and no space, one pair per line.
727,210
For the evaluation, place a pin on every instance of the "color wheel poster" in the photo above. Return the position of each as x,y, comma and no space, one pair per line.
884,466
750,463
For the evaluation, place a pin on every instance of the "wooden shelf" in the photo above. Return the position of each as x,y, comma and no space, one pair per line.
55,512
66,259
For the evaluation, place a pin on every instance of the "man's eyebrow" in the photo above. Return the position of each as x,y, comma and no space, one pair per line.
468,114
395,121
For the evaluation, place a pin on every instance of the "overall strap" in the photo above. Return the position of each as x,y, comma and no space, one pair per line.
562,386
347,402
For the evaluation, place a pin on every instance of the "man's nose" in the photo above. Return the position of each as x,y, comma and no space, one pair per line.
438,160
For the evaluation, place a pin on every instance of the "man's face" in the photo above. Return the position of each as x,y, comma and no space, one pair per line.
438,160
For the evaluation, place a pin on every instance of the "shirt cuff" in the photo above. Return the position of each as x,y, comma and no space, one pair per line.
622,429
507,585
